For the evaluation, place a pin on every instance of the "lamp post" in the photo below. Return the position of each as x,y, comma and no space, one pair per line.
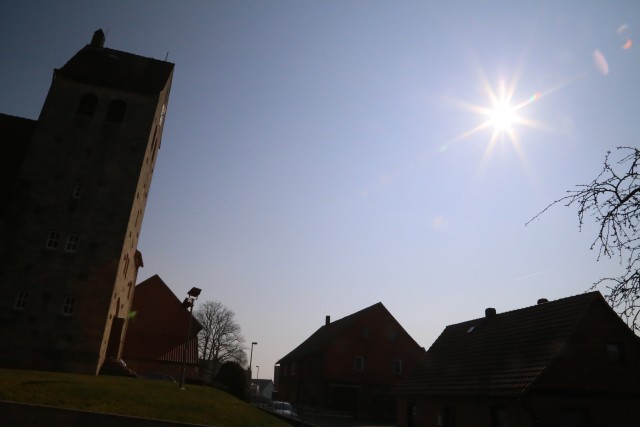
258,373
250,360
188,304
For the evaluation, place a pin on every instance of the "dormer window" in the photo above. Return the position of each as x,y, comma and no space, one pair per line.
116,111
88,104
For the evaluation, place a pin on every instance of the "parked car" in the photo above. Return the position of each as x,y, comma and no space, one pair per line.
283,408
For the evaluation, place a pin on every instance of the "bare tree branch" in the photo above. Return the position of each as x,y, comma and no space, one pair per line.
612,200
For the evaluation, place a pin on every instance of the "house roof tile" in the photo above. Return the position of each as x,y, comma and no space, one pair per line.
502,354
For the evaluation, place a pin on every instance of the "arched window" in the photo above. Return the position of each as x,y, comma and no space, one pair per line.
87,105
116,111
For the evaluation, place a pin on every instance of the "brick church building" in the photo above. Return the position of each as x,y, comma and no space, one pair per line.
74,188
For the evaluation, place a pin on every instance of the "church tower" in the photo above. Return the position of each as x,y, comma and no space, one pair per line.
69,257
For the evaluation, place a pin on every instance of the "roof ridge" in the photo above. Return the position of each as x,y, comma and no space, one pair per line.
531,307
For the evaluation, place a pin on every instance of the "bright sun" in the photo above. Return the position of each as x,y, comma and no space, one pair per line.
501,115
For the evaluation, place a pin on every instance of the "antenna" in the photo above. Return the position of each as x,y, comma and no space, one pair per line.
166,56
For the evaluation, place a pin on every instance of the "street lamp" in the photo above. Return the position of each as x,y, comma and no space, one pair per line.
258,373
251,359
188,304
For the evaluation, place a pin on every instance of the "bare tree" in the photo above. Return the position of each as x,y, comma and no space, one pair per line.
612,200
220,339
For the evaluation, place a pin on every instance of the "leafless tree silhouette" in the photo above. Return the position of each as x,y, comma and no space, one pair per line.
612,201
220,339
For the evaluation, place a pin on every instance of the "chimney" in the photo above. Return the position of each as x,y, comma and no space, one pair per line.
98,39
542,301
327,320
489,312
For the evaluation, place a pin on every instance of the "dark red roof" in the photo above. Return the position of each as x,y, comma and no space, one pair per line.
501,354
158,327
320,340
114,69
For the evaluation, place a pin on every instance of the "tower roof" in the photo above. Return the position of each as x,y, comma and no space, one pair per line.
114,69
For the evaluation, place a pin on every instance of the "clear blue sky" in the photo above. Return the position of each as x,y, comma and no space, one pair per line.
316,156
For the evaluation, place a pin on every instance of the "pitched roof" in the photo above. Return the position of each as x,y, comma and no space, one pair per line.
501,354
114,69
323,337
262,383
157,326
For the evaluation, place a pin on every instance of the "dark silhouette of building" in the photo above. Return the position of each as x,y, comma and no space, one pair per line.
350,365
74,192
570,362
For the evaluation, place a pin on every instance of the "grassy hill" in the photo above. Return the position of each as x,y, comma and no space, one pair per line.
132,396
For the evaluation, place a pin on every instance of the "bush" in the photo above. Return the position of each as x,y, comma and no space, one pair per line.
234,377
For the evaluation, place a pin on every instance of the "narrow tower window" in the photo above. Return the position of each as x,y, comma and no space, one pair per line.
77,189
358,363
87,105
116,111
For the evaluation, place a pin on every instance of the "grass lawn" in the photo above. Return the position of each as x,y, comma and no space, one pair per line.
132,396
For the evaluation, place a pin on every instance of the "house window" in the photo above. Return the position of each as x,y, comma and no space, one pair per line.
499,416
77,189
574,417
614,353
449,417
358,363
72,243
69,305
21,300
116,111
87,105
53,240
397,366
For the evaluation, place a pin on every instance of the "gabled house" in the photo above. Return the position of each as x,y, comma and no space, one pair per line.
157,333
350,364
568,363
262,389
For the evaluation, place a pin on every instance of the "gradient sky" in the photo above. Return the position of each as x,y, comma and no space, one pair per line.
317,156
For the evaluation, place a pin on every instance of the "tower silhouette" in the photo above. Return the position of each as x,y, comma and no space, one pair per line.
76,186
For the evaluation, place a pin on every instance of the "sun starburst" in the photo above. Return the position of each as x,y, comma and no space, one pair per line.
501,115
